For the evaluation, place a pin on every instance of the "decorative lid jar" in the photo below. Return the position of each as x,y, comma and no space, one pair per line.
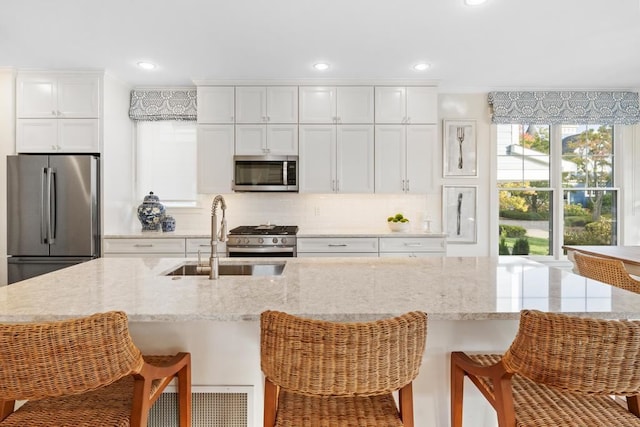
151,212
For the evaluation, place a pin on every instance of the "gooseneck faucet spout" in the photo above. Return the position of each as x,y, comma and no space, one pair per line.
215,238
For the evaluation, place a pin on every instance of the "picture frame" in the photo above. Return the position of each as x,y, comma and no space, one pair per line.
459,149
459,207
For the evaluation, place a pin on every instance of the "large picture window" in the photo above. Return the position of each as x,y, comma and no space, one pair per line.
166,152
556,187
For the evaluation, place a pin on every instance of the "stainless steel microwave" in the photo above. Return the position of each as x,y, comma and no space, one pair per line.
265,173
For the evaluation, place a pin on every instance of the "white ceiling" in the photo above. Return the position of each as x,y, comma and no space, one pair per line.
505,44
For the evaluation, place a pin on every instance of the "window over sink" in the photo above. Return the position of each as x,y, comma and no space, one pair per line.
166,159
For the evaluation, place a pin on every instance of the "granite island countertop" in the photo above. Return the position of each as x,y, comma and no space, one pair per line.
345,289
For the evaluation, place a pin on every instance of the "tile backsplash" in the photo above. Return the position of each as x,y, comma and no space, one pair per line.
315,212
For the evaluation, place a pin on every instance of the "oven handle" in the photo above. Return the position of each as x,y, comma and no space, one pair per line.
271,249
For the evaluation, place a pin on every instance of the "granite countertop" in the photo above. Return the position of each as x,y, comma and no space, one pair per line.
344,289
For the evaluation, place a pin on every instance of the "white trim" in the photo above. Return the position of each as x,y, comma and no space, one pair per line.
318,82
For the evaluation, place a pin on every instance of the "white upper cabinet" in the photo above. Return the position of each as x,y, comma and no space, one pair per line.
406,105
258,140
336,159
271,104
58,136
342,104
215,158
404,158
216,104
58,96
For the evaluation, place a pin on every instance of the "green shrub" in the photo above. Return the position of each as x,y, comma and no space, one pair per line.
521,247
503,249
512,230
576,221
575,210
594,233
527,216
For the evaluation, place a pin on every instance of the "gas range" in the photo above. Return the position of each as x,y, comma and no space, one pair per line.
262,240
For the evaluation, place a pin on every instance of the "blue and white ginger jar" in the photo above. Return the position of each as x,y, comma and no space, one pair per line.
168,223
150,213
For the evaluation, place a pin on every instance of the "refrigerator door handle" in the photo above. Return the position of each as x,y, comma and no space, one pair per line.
43,206
54,206
48,206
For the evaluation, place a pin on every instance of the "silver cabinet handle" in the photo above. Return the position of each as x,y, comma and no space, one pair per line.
53,112
140,245
408,189
413,244
403,186
337,245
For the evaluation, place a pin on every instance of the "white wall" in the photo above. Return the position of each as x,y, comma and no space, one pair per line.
117,156
7,146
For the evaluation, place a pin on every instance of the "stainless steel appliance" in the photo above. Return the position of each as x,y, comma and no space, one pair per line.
265,173
52,213
263,241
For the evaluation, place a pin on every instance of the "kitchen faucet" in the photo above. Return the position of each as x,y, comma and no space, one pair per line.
213,259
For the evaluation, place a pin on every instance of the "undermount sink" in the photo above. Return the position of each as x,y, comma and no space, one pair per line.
231,270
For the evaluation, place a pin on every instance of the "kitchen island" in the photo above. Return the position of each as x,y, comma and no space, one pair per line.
472,303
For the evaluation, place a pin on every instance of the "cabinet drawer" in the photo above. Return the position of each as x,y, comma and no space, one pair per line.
412,244
336,244
204,246
144,246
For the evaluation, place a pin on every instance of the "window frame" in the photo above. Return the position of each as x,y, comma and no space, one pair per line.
183,204
557,190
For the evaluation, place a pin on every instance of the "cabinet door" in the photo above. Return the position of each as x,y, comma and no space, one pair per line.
282,140
422,105
355,104
251,140
79,97
251,104
79,135
216,104
355,159
421,146
215,158
338,245
317,104
36,135
391,104
36,97
390,158
282,104
317,158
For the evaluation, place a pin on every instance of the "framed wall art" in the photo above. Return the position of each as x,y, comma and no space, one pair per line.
459,148
459,204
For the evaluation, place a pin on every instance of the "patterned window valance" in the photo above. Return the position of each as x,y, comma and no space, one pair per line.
173,104
570,107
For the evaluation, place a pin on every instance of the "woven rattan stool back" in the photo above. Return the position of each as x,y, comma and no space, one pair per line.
606,270
578,354
59,358
342,359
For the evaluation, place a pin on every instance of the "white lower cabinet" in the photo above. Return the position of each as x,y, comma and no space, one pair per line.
153,247
412,246
337,246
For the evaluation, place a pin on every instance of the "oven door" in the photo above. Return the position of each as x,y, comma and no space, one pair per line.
260,252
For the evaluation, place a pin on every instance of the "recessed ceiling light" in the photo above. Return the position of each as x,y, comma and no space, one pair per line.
321,66
146,65
474,2
421,66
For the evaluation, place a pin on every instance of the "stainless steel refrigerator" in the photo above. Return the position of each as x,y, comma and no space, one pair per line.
52,213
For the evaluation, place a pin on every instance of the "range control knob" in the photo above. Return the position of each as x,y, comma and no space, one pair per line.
284,240
275,240
260,240
246,241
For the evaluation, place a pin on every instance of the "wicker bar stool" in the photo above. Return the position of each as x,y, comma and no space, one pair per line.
84,372
560,370
320,373
605,270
